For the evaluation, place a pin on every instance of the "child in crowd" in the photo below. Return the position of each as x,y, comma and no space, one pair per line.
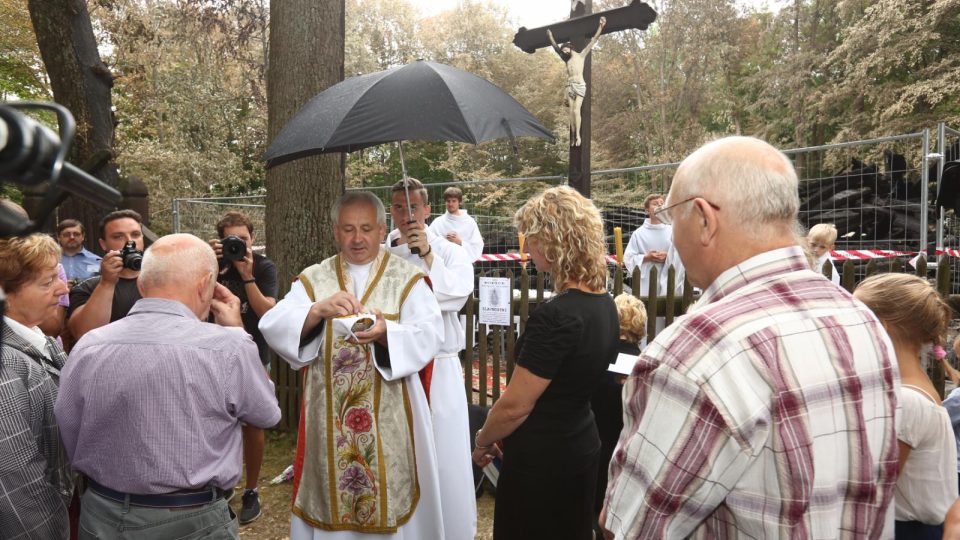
952,403
607,402
915,318
821,239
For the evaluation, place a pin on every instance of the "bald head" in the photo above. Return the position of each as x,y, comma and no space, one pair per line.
732,199
180,267
753,182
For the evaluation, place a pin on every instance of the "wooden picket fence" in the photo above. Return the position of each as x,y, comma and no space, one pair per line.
489,352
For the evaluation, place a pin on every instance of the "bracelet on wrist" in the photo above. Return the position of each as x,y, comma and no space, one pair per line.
429,251
476,442
246,281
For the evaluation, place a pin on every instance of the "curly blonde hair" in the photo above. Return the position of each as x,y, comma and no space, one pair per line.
568,229
633,317
22,258
911,308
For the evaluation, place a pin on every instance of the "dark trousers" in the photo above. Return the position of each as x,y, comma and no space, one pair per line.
914,530
548,505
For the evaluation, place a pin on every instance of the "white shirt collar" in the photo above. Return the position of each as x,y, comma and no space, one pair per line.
34,336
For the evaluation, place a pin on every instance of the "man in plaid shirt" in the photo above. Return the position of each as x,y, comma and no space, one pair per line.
768,410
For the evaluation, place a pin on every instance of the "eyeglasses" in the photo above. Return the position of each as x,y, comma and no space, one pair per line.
663,213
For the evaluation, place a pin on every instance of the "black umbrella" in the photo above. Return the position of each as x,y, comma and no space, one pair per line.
419,101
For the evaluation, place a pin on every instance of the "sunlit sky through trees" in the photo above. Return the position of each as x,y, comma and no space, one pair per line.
534,13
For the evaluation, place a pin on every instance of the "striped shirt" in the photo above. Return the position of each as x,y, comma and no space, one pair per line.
766,412
152,403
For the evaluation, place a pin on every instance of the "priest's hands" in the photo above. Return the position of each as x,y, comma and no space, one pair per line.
377,332
339,304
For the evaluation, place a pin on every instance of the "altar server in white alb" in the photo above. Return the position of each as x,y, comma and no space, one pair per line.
366,465
457,226
451,277
649,245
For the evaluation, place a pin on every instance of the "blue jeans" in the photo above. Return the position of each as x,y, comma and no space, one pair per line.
104,519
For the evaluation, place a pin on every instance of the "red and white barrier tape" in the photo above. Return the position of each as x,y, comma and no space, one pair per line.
842,255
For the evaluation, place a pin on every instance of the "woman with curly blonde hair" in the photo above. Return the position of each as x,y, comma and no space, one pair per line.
915,317
550,445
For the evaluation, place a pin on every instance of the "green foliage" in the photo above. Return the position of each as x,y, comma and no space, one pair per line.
191,99
21,70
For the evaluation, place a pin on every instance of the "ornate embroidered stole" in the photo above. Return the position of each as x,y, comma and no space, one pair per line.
355,451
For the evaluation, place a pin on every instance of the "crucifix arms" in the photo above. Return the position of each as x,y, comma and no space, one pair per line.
586,50
636,15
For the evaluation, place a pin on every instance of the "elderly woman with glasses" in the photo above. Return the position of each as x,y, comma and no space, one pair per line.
34,474
550,444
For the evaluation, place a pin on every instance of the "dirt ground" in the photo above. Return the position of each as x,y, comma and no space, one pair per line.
274,523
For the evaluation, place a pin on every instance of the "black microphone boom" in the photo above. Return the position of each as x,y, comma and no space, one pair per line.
30,154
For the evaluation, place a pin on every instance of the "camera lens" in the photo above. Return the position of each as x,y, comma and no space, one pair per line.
133,260
234,248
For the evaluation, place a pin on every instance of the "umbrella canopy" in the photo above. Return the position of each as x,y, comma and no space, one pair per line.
419,101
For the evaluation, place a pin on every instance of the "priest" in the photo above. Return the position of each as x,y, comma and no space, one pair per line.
366,464
451,277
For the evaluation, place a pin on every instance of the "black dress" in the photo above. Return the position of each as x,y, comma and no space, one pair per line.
607,405
548,478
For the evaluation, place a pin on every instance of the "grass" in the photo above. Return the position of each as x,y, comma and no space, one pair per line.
274,522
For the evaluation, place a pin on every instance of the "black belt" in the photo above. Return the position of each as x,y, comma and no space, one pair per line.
165,500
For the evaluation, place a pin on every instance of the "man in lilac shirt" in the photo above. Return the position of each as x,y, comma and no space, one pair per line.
150,406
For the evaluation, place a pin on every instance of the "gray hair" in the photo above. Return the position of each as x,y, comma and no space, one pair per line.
175,257
747,177
351,198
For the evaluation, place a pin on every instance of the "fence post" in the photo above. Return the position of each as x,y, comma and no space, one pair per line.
922,266
510,331
176,216
636,282
482,362
617,279
687,295
652,305
848,277
924,193
871,268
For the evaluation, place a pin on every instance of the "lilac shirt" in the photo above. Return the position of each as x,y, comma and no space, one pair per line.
152,403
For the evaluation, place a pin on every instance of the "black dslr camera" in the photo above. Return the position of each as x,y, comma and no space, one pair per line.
132,257
233,248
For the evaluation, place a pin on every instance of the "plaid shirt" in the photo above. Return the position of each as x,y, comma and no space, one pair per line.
35,478
766,412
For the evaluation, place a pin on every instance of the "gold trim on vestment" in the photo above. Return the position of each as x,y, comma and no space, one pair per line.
307,287
409,287
328,374
381,469
332,496
372,284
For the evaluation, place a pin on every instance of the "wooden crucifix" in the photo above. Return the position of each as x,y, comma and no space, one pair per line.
579,30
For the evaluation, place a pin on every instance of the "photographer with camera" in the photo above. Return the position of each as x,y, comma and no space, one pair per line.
109,296
253,279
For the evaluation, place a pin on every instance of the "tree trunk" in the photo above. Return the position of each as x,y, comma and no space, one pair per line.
81,82
306,57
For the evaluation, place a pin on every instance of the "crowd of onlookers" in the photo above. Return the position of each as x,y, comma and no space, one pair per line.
780,405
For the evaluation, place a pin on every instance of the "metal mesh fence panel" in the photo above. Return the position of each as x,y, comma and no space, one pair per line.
199,216
870,190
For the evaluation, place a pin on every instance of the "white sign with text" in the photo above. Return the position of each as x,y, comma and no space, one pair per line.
494,301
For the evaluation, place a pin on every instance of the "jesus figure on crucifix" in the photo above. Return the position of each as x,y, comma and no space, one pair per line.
576,85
